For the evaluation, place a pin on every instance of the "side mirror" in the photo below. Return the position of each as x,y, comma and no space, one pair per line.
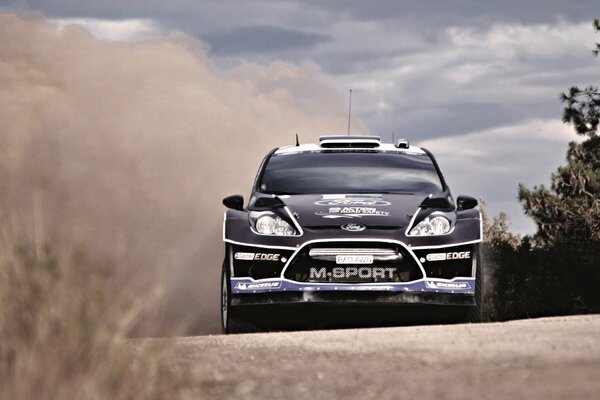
235,202
465,203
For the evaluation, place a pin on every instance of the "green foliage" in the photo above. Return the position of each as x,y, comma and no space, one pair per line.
496,232
555,280
557,271
582,109
498,243
583,106
527,280
570,210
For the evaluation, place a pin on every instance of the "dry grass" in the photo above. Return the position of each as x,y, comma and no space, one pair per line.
63,316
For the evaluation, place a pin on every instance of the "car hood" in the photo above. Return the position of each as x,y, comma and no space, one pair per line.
374,211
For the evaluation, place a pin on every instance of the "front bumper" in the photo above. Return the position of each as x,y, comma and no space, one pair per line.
265,281
457,285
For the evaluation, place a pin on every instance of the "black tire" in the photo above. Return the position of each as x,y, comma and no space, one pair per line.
228,323
474,314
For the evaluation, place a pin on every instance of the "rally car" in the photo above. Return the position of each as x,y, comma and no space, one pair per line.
350,220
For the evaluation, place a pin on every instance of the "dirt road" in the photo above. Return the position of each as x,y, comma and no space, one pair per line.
550,358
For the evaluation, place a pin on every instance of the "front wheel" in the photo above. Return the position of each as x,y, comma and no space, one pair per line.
228,323
474,313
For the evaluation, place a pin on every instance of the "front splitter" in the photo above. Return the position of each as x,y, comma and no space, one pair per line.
433,286
352,298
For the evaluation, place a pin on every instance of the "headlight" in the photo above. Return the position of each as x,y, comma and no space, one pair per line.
434,226
271,224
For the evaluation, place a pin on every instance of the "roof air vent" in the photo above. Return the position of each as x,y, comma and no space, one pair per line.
355,142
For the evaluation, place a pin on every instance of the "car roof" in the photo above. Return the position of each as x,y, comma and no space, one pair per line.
383,147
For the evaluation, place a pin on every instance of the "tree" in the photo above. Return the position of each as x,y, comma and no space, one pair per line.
557,271
498,250
496,231
583,106
570,210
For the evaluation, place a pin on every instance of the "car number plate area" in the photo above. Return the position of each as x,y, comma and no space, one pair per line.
354,259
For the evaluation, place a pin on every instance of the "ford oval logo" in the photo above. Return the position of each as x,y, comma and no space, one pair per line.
353,227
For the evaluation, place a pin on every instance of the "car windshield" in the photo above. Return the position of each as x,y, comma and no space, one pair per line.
349,172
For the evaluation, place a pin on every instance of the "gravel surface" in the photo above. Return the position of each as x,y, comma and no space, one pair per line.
548,358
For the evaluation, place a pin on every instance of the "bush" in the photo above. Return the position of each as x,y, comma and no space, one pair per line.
526,279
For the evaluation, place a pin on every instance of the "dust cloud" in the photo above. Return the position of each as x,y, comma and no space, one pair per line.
126,149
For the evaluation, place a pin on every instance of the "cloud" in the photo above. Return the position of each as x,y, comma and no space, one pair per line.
491,163
443,13
116,30
460,81
128,148
434,14
262,39
468,80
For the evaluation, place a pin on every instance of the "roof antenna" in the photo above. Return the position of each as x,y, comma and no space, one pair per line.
393,137
297,141
349,111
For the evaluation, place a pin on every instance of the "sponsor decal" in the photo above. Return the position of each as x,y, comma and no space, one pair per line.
353,272
436,257
352,212
244,256
353,202
447,285
350,200
353,259
353,227
255,286
456,255
257,256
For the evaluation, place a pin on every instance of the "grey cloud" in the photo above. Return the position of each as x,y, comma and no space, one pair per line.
437,13
409,74
223,23
457,119
493,79
491,163
197,17
262,39
463,12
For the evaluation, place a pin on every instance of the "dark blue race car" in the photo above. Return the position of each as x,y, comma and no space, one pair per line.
350,220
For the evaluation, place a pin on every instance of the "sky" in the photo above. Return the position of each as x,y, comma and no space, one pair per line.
475,81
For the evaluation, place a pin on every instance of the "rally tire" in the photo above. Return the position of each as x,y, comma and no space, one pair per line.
229,324
474,314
